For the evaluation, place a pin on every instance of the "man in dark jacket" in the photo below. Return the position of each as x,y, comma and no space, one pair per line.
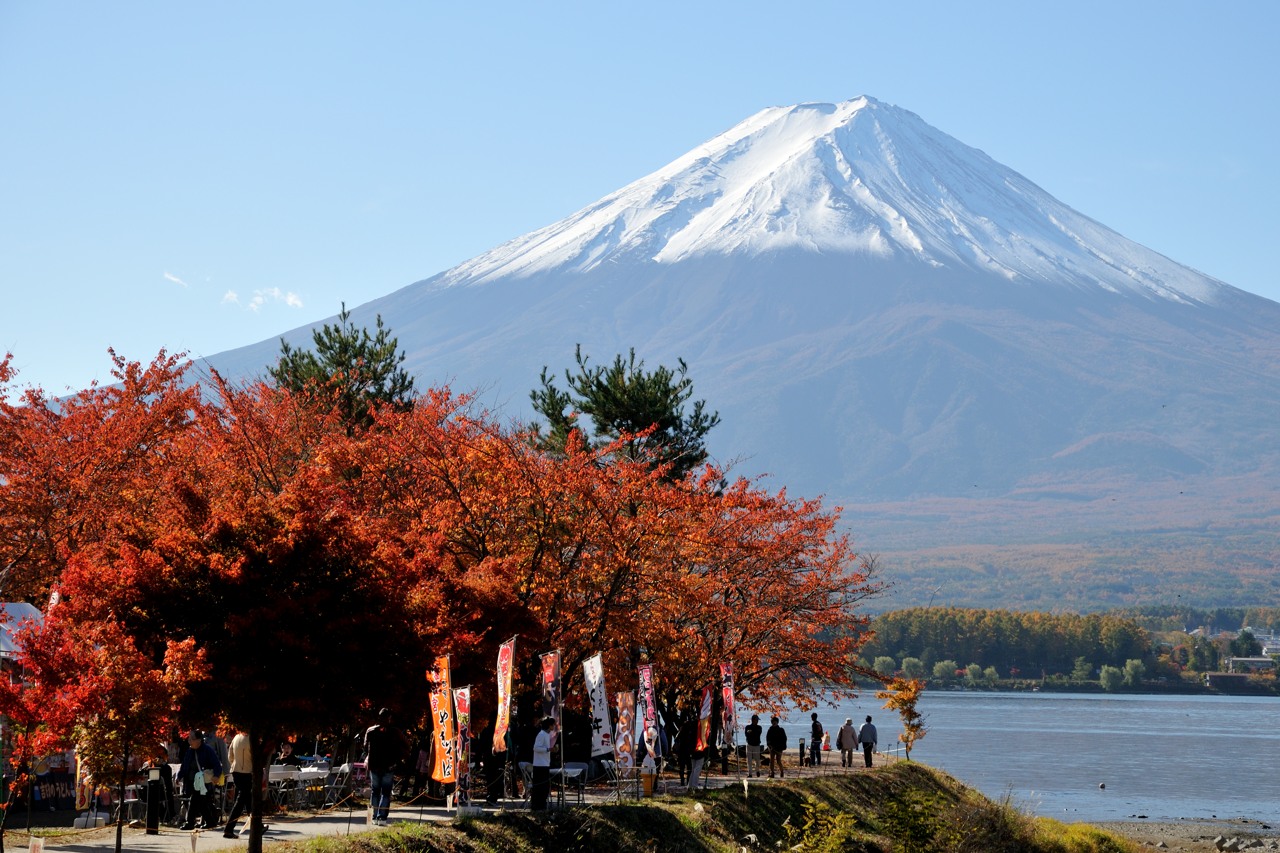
776,740
200,767
385,749
867,737
753,733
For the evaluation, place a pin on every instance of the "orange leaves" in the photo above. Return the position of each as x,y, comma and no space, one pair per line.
902,695
77,470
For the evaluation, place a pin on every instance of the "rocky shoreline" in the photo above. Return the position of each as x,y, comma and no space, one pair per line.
1198,835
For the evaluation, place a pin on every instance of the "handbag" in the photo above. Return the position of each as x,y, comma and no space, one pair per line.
202,778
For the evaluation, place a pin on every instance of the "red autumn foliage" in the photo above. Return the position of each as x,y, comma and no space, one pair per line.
317,569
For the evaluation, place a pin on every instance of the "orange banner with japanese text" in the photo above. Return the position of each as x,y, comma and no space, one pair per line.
445,740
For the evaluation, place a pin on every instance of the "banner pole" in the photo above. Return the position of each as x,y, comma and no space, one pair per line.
559,726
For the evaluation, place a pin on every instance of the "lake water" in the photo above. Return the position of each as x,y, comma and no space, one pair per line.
1166,757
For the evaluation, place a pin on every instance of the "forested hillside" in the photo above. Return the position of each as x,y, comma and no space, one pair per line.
1126,648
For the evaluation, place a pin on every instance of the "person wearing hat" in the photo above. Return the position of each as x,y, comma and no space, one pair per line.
847,742
200,766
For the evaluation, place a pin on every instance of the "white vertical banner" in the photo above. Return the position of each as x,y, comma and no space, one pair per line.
601,728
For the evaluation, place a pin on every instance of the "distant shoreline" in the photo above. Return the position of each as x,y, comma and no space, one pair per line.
1194,835
1092,688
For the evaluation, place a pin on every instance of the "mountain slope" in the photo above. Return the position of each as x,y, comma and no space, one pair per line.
888,317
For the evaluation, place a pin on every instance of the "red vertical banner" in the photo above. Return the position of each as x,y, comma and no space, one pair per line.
551,686
446,766
730,715
462,704
624,748
502,723
704,720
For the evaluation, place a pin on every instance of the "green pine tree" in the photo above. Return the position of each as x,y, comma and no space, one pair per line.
624,398
348,369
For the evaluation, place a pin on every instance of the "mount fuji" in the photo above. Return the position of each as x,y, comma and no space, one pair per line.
1016,405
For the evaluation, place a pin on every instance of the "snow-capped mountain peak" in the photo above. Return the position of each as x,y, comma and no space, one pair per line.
859,177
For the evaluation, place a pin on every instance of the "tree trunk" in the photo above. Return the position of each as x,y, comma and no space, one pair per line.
258,762
124,776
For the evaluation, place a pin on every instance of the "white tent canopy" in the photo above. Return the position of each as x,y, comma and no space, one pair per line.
14,613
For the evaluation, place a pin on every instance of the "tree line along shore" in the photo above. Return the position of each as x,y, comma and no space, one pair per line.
1151,649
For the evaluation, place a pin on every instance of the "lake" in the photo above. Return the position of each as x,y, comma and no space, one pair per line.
1166,757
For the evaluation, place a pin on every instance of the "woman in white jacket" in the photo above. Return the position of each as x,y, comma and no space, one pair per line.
542,746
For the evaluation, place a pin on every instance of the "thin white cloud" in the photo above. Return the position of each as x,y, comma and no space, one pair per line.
173,278
261,298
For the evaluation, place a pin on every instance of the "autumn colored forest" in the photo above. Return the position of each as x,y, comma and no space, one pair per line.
284,556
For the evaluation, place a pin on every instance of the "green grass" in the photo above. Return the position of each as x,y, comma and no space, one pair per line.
904,808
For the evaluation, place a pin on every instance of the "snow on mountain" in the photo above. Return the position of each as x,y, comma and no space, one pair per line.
857,177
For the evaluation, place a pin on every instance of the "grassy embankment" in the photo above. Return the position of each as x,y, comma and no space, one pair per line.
905,807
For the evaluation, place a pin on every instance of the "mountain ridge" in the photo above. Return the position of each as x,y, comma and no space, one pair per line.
963,343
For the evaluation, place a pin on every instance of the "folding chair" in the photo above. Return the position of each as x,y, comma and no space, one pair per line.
337,785
526,775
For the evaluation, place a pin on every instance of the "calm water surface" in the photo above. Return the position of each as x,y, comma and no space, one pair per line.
1165,757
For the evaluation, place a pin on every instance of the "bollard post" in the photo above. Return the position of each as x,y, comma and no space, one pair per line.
155,800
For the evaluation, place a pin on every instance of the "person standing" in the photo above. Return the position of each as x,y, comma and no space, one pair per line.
384,749
776,740
240,763
543,744
200,766
867,737
686,740
847,742
815,741
752,734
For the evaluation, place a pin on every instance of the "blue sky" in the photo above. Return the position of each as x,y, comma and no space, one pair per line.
202,176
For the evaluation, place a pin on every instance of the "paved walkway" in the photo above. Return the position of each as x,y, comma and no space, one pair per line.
303,825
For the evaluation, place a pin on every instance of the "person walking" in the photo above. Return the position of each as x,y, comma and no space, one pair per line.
240,763
200,766
686,740
847,742
776,740
384,748
543,744
867,737
752,733
815,742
